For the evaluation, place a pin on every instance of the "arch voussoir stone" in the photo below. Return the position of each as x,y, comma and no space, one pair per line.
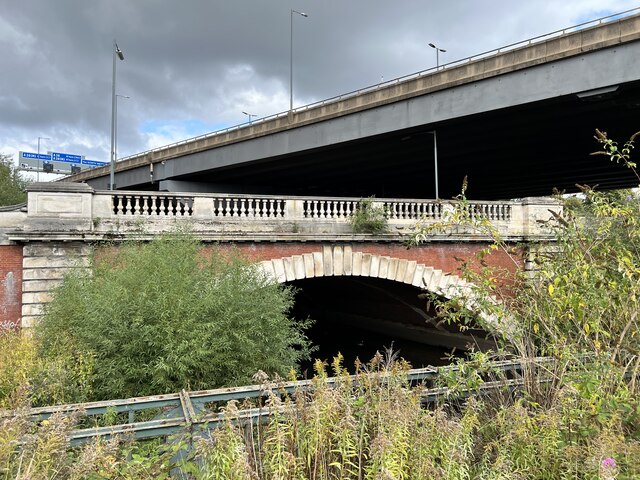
338,260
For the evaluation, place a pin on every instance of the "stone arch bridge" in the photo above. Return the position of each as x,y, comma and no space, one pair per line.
292,239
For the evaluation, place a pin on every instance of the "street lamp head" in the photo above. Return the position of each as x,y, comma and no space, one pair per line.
432,45
299,13
119,52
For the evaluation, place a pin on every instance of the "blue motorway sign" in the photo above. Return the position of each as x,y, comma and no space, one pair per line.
94,163
65,157
35,156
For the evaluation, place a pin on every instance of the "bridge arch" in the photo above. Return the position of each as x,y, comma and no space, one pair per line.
342,260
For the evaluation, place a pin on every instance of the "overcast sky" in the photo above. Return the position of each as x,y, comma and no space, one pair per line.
193,66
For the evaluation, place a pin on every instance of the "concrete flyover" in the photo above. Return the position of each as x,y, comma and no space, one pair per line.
518,123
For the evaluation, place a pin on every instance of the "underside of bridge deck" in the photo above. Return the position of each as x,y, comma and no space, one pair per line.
507,153
358,316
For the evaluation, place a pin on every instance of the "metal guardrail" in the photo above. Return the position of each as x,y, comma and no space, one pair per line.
187,409
344,96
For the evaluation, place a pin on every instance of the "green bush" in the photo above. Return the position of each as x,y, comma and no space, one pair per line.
369,218
62,377
166,315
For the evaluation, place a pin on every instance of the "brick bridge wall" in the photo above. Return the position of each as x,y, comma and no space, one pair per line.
28,273
441,255
10,286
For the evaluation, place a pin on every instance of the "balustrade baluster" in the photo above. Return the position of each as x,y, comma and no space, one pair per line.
393,209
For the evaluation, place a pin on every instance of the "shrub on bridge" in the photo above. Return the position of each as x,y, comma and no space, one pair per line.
165,315
369,218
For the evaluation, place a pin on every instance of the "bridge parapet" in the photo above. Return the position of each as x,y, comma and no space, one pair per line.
78,212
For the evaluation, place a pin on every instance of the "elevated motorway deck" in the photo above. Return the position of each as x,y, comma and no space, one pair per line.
518,122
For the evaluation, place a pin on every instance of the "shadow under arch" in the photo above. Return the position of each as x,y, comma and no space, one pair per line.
341,261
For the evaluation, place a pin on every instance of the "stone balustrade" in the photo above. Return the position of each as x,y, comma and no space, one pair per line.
59,211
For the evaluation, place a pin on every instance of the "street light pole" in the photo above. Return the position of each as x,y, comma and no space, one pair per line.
438,50
115,130
38,169
116,53
435,163
250,115
302,14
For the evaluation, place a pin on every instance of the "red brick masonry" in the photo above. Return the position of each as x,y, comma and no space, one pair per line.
441,256
10,286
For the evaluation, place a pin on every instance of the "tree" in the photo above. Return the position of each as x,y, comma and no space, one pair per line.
12,185
580,308
166,315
